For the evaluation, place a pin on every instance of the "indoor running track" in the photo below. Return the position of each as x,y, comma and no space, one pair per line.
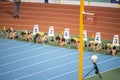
28,61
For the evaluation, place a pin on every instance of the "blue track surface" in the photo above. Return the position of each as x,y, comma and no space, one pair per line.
28,61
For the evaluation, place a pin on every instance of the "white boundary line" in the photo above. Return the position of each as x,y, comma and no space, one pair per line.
46,17
51,67
5,2
33,25
41,61
26,58
63,74
103,32
23,52
47,12
45,70
68,9
107,22
53,13
66,72
35,64
71,14
102,27
6,42
77,70
14,47
75,19
23,59
49,18
101,62
44,22
104,71
55,8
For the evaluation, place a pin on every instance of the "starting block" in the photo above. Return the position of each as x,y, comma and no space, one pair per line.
98,37
85,35
51,31
66,33
35,29
116,40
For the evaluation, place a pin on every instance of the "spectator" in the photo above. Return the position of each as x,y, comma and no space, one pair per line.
46,1
16,8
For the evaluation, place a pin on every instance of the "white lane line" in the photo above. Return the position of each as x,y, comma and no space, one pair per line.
14,47
35,56
102,62
58,66
77,69
25,59
63,74
37,63
22,52
49,68
66,72
6,42
104,71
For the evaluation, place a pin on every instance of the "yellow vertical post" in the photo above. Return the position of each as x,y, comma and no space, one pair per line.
62,32
81,27
4,28
88,2
118,5
58,1
92,36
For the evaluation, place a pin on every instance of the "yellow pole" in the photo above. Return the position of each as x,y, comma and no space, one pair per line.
92,36
80,72
118,5
4,28
88,2
62,32
58,1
